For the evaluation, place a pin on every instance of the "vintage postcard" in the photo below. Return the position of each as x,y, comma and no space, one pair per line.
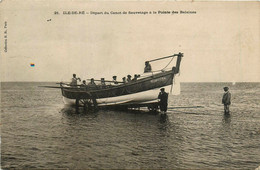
129,84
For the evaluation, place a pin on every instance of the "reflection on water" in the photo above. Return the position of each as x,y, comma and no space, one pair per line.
38,131
227,119
164,121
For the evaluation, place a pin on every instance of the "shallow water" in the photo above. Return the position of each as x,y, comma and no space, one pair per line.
38,131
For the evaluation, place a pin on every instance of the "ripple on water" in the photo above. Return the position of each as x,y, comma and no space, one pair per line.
38,131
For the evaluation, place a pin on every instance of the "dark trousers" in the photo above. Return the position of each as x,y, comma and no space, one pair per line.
163,107
226,108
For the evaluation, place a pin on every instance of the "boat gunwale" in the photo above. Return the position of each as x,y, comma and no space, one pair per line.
81,90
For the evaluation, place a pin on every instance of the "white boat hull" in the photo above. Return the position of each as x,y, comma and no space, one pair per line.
145,97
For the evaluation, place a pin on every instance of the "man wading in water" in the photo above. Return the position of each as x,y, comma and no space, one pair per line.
163,96
226,100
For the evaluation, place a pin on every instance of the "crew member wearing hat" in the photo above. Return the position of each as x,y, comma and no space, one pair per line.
226,100
114,81
148,67
163,97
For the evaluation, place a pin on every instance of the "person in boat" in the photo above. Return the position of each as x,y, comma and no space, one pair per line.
92,83
114,81
163,103
148,67
129,78
83,84
74,80
135,77
226,100
124,80
103,83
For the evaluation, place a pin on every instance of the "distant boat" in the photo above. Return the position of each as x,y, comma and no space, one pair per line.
142,92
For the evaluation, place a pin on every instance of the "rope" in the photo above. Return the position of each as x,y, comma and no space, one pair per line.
165,66
158,70
168,64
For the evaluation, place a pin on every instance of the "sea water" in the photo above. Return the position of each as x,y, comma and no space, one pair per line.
39,131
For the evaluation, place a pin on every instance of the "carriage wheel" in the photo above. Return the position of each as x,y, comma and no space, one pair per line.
152,108
89,104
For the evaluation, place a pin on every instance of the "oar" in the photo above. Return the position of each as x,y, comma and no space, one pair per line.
108,81
67,84
54,87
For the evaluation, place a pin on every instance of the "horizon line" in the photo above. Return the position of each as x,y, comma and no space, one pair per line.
180,82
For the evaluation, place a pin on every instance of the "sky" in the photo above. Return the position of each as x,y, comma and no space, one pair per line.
220,42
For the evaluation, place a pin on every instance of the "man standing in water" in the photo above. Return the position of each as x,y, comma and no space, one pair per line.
163,96
226,100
